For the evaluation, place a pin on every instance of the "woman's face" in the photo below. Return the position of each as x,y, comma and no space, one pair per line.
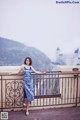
27,61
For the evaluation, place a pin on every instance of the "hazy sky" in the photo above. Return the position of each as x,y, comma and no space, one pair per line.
42,24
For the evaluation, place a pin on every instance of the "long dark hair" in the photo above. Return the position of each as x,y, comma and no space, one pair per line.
29,60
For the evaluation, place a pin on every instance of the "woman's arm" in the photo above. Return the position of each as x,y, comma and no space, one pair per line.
17,72
38,72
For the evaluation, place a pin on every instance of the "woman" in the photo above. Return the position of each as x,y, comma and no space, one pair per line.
27,70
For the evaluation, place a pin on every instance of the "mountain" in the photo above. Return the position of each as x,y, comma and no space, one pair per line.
13,53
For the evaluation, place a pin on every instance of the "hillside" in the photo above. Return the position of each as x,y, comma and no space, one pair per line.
13,53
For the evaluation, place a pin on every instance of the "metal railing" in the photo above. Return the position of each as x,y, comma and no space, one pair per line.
50,89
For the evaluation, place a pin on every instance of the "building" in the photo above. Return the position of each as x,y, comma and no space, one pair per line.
67,59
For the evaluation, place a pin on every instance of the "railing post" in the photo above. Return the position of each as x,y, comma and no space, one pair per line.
1,94
76,76
77,90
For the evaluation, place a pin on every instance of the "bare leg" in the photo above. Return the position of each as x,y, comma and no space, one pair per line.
27,109
25,103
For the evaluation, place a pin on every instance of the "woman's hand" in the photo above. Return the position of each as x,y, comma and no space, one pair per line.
44,72
10,73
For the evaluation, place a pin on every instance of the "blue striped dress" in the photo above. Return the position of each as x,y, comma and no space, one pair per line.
28,84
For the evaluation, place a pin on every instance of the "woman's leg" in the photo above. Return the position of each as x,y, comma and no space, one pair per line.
27,108
25,97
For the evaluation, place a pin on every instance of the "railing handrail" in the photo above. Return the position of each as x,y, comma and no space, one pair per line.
47,73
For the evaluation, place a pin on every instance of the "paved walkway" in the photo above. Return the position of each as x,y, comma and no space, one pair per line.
72,113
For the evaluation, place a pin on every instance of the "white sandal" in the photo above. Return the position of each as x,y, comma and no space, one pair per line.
27,113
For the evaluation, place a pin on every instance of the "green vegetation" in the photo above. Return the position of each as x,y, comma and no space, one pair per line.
13,53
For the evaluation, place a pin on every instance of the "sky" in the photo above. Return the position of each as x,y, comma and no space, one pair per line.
43,24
